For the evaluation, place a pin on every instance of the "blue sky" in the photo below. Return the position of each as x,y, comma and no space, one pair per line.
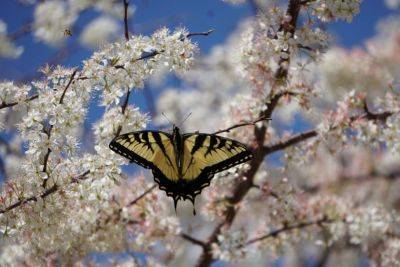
151,14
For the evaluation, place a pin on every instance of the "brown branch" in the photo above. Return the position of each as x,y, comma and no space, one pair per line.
126,5
133,202
7,105
286,228
242,124
193,240
123,107
48,131
241,189
43,195
199,33
117,213
375,116
297,138
156,52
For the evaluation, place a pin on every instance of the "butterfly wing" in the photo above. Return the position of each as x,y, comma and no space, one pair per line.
151,149
206,154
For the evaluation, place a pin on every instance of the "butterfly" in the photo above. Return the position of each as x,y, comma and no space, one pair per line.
182,164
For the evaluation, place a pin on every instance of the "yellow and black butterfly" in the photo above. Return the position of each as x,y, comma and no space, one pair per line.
182,164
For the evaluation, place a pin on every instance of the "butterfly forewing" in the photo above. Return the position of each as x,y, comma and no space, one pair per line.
206,154
150,149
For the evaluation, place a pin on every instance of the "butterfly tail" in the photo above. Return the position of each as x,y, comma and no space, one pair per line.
176,199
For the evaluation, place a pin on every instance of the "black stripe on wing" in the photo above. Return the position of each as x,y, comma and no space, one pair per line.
228,163
138,138
195,186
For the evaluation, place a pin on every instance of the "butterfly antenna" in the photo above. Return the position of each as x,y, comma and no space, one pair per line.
185,118
165,116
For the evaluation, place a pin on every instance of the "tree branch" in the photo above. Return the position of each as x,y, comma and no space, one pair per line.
242,124
199,33
43,195
241,189
286,228
7,105
133,202
48,131
297,138
126,5
193,240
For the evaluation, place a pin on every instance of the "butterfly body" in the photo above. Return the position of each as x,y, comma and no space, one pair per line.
182,164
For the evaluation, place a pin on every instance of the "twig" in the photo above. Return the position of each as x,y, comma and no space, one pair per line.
133,202
297,138
117,213
7,105
126,5
375,116
193,240
262,118
48,131
199,33
123,107
149,55
286,228
43,195
289,142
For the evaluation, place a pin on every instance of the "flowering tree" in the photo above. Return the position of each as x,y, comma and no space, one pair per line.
331,196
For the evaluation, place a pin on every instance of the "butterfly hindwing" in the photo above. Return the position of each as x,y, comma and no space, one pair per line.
150,149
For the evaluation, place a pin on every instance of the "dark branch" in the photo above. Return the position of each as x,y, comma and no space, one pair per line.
241,189
126,5
43,195
133,202
297,138
199,33
48,131
289,142
7,105
193,240
123,107
156,52
375,116
242,124
286,228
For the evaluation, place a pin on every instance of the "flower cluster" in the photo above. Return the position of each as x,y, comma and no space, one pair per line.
126,65
336,9
64,191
